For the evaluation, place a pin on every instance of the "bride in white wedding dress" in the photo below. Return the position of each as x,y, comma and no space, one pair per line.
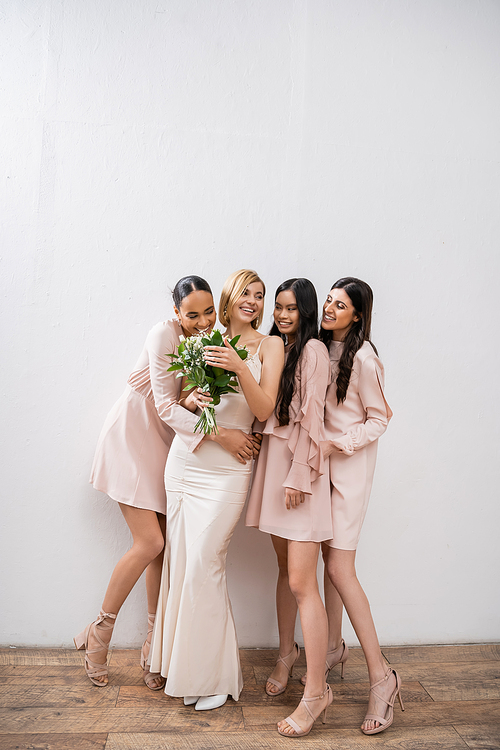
194,642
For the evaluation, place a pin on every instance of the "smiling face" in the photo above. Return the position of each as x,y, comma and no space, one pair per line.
286,314
196,313
339,314
250,305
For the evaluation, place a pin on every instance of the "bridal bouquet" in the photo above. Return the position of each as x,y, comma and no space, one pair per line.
190,363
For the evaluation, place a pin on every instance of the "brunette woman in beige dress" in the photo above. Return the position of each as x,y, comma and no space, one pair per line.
356,415
129,466
290,498
194,644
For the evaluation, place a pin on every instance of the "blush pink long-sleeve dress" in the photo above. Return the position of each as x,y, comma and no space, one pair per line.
132,449
354,427
291,456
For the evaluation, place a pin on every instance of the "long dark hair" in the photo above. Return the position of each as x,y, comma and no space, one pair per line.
189,284
307,304
361,297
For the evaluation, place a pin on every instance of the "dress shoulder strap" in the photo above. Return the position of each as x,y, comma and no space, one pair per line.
261,342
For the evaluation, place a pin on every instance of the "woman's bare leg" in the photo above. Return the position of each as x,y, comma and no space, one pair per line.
154,571
302,563
153,580
148,543
334,608
286,608
342,572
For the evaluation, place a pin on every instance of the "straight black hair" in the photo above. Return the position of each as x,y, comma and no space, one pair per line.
189,284
307,305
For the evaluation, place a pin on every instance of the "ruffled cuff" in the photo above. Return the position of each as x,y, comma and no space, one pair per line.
299,478
305,445
345,444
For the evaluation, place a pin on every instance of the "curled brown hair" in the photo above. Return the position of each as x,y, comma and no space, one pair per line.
361,296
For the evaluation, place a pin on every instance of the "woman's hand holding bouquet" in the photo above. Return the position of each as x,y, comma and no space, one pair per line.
208,373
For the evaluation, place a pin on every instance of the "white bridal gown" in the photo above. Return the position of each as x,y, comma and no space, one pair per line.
194,642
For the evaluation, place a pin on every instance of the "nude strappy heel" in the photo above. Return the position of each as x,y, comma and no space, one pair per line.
150,677
332,661
94,669
385,721
289,664
298,732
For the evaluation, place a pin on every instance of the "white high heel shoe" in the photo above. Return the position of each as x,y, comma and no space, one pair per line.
207,702
190,700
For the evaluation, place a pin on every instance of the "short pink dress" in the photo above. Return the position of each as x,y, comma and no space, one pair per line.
354,428
132,449
290,456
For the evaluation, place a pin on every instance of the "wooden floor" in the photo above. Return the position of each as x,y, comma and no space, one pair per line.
451,696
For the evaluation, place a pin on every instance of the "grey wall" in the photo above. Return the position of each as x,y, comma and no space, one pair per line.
145,140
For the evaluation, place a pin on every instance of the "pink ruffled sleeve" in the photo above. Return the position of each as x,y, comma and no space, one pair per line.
166,387
377,410
308,427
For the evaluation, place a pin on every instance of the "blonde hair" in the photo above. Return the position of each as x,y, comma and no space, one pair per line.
233,288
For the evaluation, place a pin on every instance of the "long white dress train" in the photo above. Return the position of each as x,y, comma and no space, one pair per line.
194,641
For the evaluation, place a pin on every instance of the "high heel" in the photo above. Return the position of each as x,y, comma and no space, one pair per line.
298,731
94,669
289,666
150,677
332,661
385,721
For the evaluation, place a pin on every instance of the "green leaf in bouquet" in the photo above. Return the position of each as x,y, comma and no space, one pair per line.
242,353
223,380
218,371
181,347
217,339
199,374
230,390
176,366
216,399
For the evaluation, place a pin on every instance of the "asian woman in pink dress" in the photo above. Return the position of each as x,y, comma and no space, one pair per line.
290,498
356,415
130,461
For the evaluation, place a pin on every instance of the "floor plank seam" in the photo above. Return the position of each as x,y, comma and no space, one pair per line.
459,735
427,692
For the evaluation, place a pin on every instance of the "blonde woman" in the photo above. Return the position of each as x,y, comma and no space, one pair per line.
194,643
